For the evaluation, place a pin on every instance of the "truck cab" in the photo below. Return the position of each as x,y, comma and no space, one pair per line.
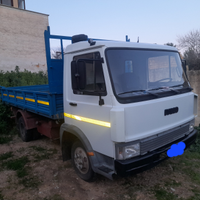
125,104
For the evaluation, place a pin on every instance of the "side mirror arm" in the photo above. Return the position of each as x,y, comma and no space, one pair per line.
101,101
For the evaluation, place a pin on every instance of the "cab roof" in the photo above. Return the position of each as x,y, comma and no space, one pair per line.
85,45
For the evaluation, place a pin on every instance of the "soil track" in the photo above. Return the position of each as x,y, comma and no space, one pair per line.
47,177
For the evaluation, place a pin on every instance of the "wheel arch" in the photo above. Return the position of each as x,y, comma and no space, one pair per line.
68,135
67,131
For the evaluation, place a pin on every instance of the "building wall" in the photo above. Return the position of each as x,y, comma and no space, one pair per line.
15,3
22,39
194,78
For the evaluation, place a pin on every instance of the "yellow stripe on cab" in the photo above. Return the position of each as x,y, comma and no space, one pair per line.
88,120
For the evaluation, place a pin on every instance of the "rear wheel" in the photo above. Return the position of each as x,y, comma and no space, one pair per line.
26,135
81,162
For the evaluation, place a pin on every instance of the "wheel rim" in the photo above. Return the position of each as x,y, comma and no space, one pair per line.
81,160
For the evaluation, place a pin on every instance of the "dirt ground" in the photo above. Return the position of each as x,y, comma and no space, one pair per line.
45,176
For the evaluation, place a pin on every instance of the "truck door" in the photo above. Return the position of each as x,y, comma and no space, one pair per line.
90,102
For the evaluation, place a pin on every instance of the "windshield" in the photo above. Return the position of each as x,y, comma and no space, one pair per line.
144,70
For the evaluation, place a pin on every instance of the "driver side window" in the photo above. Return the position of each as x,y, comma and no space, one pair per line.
95,81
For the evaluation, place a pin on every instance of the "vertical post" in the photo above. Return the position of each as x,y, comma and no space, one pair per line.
127,39
48,51
61,46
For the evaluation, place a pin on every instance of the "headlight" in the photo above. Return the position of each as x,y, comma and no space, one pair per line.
126,152
191,127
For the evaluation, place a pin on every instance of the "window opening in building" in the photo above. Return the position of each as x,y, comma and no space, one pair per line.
6,2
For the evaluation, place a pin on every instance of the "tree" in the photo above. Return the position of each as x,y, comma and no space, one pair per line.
192,58
190,43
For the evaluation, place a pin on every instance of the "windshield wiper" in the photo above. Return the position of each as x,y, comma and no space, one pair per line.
168,88
131,92
158,88
144,91
177,85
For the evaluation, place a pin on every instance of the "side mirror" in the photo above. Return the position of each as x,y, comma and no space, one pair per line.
78,74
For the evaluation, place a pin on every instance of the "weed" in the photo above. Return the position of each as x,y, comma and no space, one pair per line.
1,196
22,173
14,131
54,197
42,153
162,194
191,172
20,150
5,156
192,155
5,139
30,182
5,119
196,147
172,183
196,194
38,148
17,165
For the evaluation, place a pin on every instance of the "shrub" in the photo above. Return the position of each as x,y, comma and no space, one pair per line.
17,78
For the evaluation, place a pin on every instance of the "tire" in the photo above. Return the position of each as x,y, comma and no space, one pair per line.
81,162
26,135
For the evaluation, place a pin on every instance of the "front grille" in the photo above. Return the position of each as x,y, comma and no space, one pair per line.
163,139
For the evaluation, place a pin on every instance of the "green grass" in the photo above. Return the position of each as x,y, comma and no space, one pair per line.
42,153
5,139
193,174
5,156
196,194
54,197
38,148
21,150
30,181
162,194
172,183
17,165
1,196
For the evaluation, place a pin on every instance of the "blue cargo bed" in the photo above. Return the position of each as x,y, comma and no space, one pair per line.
36,99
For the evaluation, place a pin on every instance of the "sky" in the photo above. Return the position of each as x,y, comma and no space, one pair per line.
153,21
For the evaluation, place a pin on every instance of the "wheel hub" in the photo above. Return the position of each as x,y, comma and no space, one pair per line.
81,160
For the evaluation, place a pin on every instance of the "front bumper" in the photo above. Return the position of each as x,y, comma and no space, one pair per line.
141,163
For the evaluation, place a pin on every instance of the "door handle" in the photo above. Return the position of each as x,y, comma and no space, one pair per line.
72,104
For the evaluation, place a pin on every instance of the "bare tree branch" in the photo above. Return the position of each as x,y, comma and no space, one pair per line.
190,43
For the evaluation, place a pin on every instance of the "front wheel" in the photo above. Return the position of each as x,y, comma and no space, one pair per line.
81,162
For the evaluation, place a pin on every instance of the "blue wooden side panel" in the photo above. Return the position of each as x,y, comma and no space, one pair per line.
36,99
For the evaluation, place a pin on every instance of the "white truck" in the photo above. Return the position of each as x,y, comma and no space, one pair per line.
124,105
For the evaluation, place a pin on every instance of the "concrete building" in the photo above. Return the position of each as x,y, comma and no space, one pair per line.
21,37
14,3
